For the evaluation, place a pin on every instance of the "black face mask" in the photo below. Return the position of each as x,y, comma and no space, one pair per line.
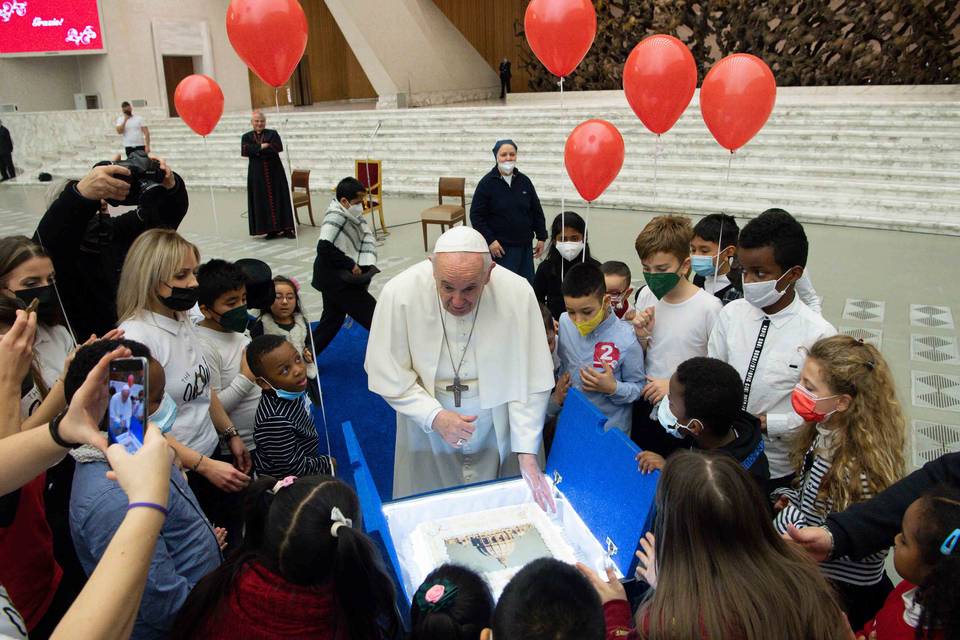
47,299
181,298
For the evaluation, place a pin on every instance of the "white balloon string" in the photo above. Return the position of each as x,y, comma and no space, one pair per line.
286,153
213,201
563,182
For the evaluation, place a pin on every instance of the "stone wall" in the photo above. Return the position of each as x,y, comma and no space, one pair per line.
805,42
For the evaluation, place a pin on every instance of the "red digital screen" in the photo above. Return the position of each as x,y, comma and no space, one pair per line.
40,26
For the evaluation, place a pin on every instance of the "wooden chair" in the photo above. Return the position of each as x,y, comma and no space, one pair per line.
368,172
446,215
300,179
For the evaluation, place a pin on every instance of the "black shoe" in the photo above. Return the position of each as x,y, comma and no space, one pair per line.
273,235
289,234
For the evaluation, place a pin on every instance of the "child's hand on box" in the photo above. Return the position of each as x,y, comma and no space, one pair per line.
599,381
560,391
648,462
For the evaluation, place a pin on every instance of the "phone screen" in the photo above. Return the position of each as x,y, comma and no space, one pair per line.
126,411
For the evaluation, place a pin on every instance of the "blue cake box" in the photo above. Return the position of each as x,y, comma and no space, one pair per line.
604,503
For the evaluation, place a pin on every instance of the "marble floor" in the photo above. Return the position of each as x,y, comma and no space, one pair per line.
890,287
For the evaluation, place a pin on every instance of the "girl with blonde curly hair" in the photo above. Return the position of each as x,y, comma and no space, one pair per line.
850,449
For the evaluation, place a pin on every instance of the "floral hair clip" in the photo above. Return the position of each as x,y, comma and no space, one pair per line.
436,597
283,484
296,283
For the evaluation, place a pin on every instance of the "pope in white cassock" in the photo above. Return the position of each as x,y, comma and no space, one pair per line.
457,347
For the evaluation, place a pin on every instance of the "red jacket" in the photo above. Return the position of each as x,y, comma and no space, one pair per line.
890,624
262,606
619,621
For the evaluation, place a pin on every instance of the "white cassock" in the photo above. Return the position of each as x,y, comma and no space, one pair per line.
507,368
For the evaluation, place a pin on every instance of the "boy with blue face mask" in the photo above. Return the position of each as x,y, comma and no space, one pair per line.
598,351
285,434
702,408
764,334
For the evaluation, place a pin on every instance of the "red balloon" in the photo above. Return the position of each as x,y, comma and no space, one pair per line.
736,99
199,101
270,36
593,156
560,32
659,79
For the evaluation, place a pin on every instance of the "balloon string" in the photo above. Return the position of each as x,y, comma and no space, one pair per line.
586,230
726,184
286,153
213,201
657,151
563,183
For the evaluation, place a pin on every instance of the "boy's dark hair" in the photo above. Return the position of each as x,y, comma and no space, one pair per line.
778,229
549,600
940,591
617,268
258,348
87,358
217,277
584,280
469,612
712,393
124,104
289,533
349,188
718,227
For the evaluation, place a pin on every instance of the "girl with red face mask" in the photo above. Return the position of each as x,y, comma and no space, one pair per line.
850,449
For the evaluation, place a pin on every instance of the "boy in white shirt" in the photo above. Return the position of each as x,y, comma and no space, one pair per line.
136,135
764,334
223,302
673,321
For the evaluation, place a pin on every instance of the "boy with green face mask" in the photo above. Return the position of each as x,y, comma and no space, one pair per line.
673,321
222,297
598,350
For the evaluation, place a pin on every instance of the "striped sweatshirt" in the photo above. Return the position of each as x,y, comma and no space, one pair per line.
286,438
806,510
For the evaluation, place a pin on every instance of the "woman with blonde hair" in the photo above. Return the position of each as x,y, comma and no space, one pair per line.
716,567
158,286
849,449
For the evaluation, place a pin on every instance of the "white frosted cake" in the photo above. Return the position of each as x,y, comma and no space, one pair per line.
496,543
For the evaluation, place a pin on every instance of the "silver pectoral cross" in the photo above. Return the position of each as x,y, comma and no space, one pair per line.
457,387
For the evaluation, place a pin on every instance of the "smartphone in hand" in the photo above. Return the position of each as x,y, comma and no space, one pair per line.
127,408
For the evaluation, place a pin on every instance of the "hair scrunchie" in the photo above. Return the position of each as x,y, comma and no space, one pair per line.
437,596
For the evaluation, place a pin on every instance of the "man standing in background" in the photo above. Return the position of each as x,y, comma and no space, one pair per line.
504,78
7,170
136,136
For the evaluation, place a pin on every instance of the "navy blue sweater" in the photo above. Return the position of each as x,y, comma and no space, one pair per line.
510,213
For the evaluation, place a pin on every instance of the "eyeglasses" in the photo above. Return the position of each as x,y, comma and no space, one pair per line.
286,298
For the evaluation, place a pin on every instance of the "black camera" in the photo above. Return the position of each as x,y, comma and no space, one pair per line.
145,179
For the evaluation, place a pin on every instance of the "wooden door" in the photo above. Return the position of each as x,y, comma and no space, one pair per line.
175,69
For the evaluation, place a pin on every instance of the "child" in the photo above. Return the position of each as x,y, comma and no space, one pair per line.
285,318
926,604
703,405
546,600
305,570
223,302
762,333
346,262
673,321
713,263
559,395
716,567
618,278
597,349
285,434
567,248
849,449
453,602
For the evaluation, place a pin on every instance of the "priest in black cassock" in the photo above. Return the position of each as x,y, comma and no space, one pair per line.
268,196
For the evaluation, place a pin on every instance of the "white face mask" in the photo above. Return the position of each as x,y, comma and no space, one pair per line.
356,209
763,294
569,250
506,168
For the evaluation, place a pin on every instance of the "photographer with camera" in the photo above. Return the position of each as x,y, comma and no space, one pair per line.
88,245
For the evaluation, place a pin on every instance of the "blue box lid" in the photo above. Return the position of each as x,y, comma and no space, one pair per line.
597,472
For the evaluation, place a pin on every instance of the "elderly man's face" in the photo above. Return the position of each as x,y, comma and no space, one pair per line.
460,279
259,122
124,394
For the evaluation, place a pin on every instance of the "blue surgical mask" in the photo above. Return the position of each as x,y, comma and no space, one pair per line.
669,421
704,265
286,395
166,414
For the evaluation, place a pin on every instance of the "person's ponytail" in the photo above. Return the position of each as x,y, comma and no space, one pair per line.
364,590
202,606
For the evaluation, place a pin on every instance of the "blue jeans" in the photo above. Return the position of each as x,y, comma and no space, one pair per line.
519,260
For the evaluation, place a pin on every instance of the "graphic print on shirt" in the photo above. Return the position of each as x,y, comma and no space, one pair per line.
193,389
606,352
